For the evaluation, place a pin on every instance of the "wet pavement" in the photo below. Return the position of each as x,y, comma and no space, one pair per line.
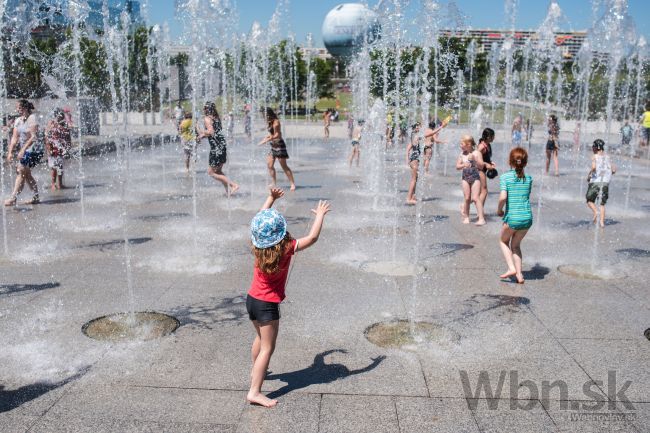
554,354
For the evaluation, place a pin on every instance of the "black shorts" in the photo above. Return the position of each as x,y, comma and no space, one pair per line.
551,145
279,149
262,311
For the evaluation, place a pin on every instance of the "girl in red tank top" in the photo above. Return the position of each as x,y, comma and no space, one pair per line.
273,248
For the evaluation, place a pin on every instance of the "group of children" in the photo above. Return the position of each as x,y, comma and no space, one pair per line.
273,246
213,131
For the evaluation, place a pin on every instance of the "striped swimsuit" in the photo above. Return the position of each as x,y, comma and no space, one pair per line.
518,214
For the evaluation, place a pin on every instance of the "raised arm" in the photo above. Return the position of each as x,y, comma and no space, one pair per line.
309,240
433,132
274,194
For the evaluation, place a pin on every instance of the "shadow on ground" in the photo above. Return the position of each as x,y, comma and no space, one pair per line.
444,249
162,217
7,289
212,313
114,243
634,253
13,399
62,200
501,305
584,223
318,373
537,272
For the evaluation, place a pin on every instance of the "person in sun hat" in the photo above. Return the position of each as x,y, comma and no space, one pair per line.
273,247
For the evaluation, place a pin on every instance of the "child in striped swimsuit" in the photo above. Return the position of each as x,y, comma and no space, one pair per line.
518,217
470,161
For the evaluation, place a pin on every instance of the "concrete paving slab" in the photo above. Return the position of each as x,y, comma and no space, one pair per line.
53,424
434,415
297,413
342,413
13,423
503,415
164,405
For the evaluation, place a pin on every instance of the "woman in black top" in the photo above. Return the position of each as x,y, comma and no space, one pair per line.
485,147
278,148
214,133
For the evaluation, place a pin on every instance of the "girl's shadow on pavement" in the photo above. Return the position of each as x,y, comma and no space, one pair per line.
318,373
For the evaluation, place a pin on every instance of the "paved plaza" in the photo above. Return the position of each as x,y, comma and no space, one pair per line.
562,353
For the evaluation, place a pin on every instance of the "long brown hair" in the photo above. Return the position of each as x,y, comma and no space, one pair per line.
210,109
268,259
270,116
518,160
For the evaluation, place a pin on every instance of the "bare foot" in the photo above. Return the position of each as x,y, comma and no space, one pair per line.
510,273
293,187
479,223
595,218
520,278
261,400
411,201
10,201
234,188
465,220
602,223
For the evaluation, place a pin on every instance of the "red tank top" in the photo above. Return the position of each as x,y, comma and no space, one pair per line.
270,287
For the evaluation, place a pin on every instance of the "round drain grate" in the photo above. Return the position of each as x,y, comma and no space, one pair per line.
402,334
139,326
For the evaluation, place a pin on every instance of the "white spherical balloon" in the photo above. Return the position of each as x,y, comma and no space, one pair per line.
346,26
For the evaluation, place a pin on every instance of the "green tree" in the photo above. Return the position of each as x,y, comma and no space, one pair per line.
323,71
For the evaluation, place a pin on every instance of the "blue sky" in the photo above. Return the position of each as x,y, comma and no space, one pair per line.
307,15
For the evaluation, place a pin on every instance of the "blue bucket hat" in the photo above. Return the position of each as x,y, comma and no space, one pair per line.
268,228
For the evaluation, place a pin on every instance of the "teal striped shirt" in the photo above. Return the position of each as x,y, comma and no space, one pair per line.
518,214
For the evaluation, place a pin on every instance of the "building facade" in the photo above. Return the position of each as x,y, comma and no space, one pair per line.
569,42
